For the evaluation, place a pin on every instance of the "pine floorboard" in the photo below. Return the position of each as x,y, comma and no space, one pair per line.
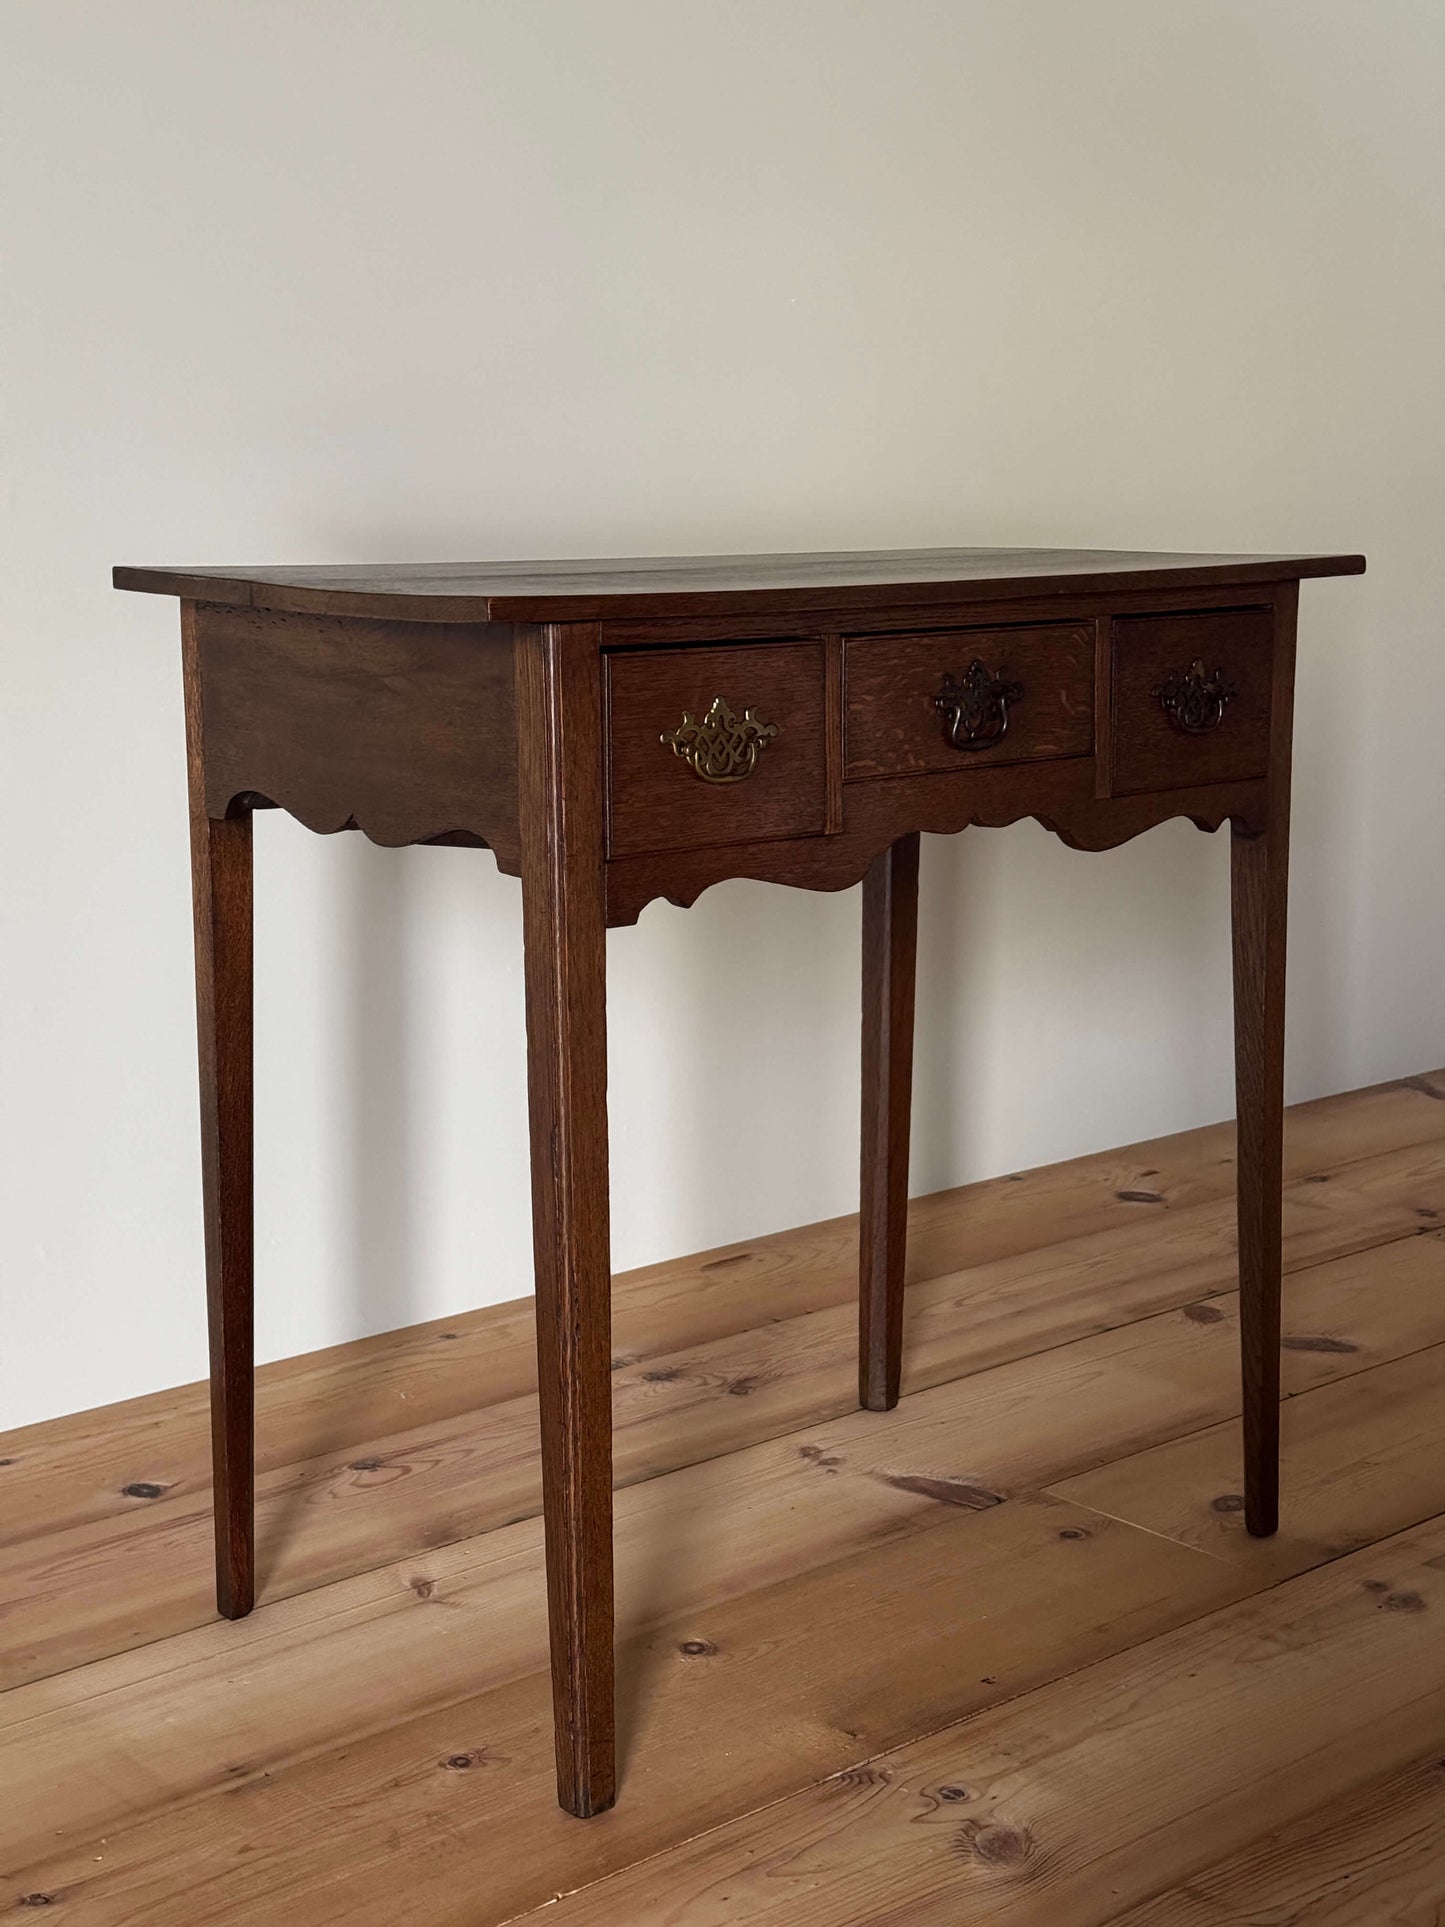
1375,1855
817,1606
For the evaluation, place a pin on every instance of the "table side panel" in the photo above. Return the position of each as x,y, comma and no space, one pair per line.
406,731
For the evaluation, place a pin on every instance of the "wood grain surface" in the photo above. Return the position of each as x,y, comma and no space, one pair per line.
408,734
892,681
657,802
559,701
221,898
890,945
1092,1792
661,586
1151,752
1000,1654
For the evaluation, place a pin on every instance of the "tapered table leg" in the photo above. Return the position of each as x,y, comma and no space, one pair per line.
563,912
221,899
890,944
1259,870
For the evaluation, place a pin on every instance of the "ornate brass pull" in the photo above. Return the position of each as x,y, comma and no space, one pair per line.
975,709
1193,700
720,749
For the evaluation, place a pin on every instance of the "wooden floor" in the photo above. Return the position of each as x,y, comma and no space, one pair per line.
1004,1655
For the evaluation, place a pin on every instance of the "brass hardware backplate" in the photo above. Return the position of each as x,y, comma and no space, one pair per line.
721,748
1193,700
974,707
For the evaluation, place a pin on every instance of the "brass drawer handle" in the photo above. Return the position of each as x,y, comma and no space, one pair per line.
975,709
720,749
1193,700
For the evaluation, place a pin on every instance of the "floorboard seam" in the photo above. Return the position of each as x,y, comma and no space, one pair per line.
1006,1699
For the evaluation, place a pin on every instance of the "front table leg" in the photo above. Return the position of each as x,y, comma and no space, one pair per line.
221,898
890,943
563,915
1260,876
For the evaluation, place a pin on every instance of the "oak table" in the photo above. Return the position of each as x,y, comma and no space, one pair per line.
617,731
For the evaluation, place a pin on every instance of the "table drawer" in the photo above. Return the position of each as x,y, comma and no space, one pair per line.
721,745
1191,698
957,698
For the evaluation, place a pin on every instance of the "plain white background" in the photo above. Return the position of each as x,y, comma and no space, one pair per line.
307,280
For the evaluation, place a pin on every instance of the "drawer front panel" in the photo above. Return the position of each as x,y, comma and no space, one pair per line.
1191,698
714,745
1037,682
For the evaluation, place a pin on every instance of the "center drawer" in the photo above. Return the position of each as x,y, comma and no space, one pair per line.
947,699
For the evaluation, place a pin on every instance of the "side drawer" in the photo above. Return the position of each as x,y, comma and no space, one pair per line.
1026,692
1191,698
716,745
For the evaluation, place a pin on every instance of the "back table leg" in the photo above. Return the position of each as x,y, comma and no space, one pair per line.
1259,870
221,897
1260,888
563,914
890,943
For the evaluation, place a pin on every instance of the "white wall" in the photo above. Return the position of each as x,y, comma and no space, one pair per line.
330,280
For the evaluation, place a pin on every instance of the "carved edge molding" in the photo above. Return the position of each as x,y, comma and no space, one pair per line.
827,864
838,862
388,832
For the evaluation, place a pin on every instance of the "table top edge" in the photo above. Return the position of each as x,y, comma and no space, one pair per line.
531,597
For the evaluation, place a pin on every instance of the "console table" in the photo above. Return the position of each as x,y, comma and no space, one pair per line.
622,730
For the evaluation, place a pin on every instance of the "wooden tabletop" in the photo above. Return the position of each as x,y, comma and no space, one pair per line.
632,587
